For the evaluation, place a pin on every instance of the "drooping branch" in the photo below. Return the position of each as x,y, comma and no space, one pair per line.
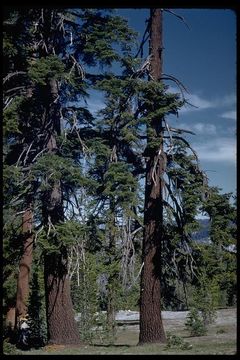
178,16
144,39
10,75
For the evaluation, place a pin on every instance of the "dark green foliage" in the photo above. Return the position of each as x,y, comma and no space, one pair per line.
218,259
44,69
46,51
37,314
84,294
11,117
120,185
99,32
9,349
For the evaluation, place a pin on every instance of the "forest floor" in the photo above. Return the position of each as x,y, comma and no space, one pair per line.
220,339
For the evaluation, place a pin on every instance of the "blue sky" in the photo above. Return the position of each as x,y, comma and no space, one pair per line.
203,58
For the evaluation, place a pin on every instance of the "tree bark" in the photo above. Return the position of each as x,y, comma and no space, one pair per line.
62,327
151,326
24,266
10,319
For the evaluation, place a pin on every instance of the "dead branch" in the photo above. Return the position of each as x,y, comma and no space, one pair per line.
170,136
14,89
45,149
178,16
74,127
177,82
7,102
145,68
180,131
78,66
140,50
113,156
188,145
136,278
19,158
37,233
154,173
26,156
10,75
50,226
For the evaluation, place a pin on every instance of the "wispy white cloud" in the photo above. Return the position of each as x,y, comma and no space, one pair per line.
232,114
218,149
228,100
201,128
200,102
95,106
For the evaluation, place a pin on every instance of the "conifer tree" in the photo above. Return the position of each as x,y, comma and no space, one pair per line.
63,42
16,92
167,202
151,327
217,259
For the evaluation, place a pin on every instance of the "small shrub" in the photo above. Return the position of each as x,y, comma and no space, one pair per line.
9,348
221,331
174,341
195,323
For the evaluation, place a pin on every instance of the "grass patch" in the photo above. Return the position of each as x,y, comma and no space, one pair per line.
220,340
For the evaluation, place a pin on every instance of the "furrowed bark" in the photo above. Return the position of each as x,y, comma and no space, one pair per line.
62,327
151,326
24,266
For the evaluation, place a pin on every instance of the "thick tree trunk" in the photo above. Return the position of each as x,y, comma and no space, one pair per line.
23,282
151,326
24,266
10,319
62,327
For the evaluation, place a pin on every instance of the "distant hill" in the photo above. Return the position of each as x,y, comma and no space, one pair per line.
202,235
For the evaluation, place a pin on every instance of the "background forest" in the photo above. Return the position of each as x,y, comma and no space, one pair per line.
74,181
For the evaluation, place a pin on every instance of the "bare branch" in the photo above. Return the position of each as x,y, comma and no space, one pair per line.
10,75
37,233
135,279
19,158
154,174
140,50
170,136
7,102
79,67
39,154
26,156
178,82
14,89
145,68
188,145
180,131
178,16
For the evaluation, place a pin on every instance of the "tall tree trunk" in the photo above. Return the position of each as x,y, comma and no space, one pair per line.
151,326
24,266
27,256
62,327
